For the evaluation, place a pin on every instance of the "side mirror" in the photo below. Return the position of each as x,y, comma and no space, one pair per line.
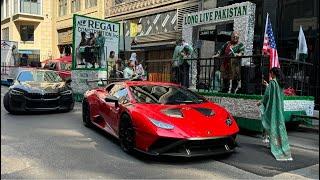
10,81
113,100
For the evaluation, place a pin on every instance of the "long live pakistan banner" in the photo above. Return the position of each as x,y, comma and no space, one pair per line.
93,40
216,14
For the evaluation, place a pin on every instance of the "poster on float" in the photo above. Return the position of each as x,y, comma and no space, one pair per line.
93,40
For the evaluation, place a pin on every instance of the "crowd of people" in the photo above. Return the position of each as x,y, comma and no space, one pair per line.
128,69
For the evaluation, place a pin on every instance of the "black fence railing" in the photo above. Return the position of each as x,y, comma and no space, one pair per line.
208,74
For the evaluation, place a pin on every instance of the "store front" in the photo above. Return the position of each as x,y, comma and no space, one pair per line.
153,35
65,42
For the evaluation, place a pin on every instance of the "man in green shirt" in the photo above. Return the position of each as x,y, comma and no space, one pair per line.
176,61
180,66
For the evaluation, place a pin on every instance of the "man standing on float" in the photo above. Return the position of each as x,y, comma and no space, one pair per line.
230,68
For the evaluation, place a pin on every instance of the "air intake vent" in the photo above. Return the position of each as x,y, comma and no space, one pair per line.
183,11
205,111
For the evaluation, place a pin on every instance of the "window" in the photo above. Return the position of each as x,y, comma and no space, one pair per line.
75,6
7,8
62,7
27,32
15,7
91,3
30,6
2,10
122,95
39,76
25,76
5,34
164,95
119,1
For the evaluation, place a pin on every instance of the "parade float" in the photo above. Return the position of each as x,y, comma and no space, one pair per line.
242,106
247,114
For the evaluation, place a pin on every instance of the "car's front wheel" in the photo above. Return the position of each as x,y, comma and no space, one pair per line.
86,113
126,134
6,104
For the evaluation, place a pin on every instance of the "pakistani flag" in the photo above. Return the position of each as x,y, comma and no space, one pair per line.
302,51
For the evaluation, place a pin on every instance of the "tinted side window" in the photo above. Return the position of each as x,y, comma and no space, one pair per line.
122,95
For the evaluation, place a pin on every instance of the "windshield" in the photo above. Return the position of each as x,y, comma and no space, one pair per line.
156,94
39,76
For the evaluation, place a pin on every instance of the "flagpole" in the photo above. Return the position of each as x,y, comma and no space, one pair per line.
297,49
265,27
262,57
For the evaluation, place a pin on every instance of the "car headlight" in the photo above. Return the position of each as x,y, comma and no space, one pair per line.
16,92
67,92
160,124
229,121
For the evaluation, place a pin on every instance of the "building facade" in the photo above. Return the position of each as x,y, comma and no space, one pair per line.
150,27
42,28
63,21
29,24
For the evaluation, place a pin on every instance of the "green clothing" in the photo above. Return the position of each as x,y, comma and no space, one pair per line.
273,121
238,48
177,57
177,54
230,68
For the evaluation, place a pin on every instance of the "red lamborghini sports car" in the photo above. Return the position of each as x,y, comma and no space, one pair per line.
160,119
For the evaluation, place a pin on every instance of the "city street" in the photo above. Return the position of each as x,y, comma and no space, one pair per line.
57,145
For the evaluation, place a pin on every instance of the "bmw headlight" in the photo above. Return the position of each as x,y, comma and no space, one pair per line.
67,92
160,124
16,92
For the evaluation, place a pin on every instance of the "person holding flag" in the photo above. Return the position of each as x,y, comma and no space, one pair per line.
271,105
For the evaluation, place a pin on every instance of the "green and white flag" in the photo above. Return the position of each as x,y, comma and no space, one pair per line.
302,50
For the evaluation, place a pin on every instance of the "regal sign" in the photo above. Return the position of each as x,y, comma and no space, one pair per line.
215,15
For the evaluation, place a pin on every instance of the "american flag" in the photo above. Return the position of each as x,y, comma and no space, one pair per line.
269,45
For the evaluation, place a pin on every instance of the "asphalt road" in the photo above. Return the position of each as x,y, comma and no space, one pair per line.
57,145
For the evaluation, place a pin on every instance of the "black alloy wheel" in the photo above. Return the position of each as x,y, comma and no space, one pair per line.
86,113
6,104
126,134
